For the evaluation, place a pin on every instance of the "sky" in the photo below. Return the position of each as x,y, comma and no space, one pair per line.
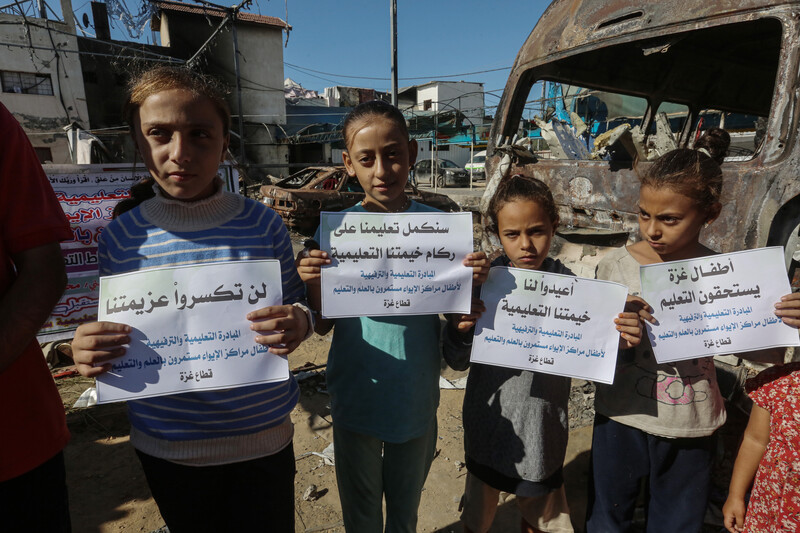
346,41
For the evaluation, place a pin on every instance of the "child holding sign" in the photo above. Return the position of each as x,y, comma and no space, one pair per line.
229,450
659,419
383,372
515,421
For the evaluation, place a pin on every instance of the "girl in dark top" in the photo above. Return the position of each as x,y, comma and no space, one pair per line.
515,421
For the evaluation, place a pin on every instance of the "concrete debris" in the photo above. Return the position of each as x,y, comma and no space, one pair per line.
87,399
581,404
310,494
460,383
663,141
327,455
619,137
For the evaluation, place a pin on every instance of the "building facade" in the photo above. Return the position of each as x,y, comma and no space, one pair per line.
441,96
42,86
184,30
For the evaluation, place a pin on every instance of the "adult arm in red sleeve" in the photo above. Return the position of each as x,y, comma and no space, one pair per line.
31,225
28,301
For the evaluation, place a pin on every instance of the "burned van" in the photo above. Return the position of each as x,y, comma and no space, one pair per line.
599,85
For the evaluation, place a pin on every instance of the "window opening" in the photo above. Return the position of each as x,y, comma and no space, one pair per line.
26,83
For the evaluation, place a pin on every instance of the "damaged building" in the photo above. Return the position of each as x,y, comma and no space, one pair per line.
42,86
60,86
246,51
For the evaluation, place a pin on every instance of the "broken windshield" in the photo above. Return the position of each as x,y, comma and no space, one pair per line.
641,98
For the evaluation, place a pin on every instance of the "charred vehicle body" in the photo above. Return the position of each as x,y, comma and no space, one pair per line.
301,197
616,82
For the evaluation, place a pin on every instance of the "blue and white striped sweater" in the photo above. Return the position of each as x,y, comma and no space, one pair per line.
241,229
132,243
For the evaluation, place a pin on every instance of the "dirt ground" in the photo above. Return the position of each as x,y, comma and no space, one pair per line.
108,492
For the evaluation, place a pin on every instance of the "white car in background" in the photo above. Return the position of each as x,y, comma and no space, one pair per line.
477,166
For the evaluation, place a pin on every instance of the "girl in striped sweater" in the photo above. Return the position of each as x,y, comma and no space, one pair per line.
229,449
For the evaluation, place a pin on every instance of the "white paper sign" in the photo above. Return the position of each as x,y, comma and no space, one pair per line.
549,323
396,264
189,329
718,304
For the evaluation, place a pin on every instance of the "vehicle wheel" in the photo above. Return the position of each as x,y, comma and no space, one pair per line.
440,181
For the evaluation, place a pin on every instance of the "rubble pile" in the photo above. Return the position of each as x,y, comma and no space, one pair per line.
581,404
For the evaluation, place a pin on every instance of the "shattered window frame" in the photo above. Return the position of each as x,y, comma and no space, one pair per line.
572,102
16,82
299,179
674,113
676,84
747,131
